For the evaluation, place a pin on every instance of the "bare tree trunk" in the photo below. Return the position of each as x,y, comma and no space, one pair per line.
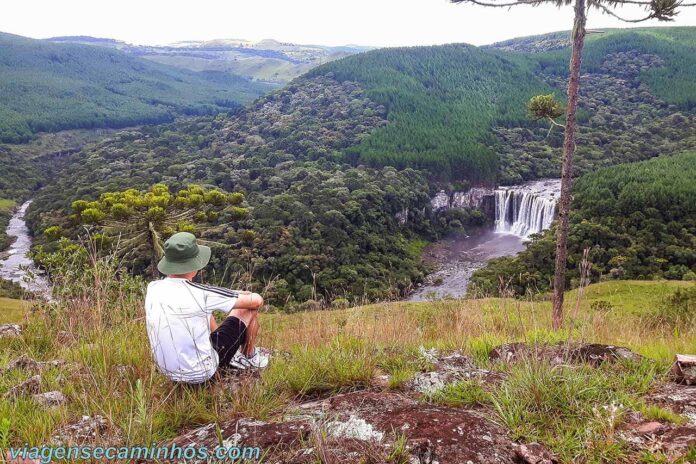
157,250
578,38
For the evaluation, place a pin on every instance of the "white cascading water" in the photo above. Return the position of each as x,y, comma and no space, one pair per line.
526,209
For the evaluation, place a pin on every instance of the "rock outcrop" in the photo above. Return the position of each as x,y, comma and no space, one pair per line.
562,353
10,330
351,426
482,198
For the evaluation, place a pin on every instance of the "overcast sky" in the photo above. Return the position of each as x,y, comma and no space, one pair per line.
326,22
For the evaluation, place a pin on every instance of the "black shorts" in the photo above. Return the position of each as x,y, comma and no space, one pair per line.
227,339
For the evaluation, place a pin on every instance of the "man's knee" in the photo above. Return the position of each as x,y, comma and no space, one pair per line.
251,301
256,300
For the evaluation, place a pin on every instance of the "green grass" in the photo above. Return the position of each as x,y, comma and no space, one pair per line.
12,311
318,354
574,410
6,205
636,297
467,393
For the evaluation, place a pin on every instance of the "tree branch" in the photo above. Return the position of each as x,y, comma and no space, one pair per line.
501,5
611,13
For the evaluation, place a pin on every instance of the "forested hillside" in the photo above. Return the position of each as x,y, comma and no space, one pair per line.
459,112
637,220
50,86
441,104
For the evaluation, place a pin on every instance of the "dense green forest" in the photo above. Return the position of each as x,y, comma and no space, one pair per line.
441,103
18,179
638,221
49,86
676,47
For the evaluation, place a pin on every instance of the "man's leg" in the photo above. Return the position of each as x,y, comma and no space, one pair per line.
252,331
250,319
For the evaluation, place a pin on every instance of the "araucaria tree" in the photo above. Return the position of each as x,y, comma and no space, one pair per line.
662,10
134,224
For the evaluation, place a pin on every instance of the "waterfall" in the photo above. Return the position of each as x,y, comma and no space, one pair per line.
526,209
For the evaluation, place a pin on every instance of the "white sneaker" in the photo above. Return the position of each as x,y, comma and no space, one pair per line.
258,360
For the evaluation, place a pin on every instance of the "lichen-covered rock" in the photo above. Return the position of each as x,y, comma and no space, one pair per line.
562,353
89,430
10,330
534,453
50,399
448,369
28,387
675,441
680,399
26,363
346,428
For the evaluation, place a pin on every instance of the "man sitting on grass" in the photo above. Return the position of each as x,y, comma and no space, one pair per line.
186,342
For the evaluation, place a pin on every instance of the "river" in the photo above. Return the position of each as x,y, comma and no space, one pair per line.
520,211
18,266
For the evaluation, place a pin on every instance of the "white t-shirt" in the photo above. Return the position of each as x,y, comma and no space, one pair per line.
177,312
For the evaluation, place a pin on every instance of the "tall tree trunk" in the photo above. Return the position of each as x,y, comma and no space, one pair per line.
578,38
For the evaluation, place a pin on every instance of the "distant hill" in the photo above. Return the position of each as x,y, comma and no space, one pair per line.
268,60
47,86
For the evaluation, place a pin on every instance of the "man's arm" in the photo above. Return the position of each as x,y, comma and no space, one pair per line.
248,300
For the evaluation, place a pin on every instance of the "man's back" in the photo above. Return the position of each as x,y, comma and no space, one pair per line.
178,314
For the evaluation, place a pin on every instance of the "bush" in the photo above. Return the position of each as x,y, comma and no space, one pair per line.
601,305
678,310
340,303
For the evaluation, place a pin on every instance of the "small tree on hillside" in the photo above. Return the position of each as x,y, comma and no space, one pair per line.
139,222
663,10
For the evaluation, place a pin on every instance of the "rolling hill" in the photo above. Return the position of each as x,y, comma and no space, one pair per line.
49,86
268,60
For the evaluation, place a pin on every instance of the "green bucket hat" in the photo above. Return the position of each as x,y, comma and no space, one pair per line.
183,255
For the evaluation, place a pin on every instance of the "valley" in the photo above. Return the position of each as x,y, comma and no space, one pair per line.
356,149
395,209
269,61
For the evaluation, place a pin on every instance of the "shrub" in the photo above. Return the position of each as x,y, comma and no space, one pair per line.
678,310
601,305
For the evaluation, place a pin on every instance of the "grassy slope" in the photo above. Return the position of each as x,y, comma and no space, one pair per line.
336,351
12,311
457,324
50,86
